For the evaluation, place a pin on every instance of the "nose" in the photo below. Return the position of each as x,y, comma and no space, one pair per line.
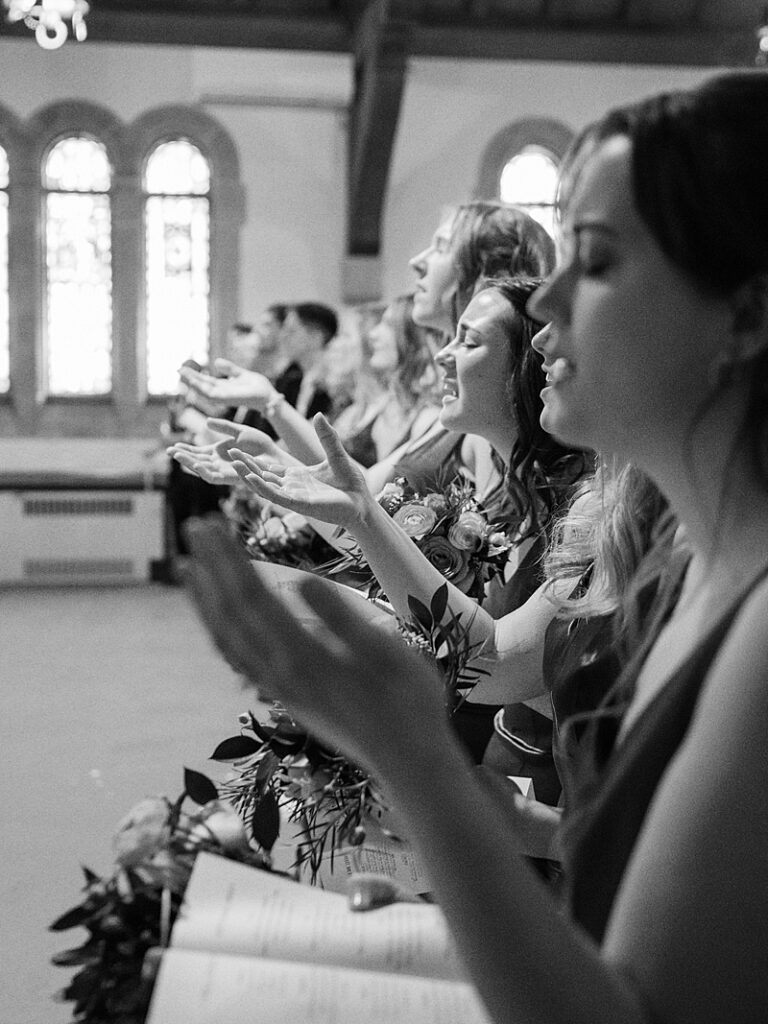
444,356
540,339
418,262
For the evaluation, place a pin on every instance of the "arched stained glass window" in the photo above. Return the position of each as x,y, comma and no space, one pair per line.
78,262
4,292
529,180
177,237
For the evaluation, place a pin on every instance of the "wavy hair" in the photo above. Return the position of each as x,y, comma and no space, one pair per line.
413,380
541,472
496,240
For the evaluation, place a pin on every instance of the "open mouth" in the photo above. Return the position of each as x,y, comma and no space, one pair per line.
450,390
558,371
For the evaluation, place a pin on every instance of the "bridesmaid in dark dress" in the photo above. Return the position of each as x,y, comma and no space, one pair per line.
658,353
491,383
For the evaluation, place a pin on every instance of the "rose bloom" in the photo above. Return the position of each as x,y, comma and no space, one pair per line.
449,561
219,821
415,519
142,832
390,497
468,532
437,503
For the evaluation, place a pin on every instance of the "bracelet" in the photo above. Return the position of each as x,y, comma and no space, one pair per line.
275,400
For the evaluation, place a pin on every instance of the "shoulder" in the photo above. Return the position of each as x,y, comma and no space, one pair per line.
737,680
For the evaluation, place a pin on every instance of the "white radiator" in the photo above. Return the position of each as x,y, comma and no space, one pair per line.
79,537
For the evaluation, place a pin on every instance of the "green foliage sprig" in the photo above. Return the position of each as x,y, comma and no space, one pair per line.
128,915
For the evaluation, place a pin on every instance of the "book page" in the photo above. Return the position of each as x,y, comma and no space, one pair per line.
233,908
203,988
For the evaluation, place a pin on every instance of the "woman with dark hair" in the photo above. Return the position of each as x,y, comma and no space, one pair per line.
491,381
659,352
474,240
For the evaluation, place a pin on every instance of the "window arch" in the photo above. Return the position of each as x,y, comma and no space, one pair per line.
5,355
177,182
520,166
77,180
120,404
202,160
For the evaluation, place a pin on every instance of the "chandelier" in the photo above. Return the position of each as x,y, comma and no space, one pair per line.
49,19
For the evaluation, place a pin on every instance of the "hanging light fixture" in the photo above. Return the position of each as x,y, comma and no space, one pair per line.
48,19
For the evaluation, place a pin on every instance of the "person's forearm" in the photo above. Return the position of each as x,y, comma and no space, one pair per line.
527,961
403,571
297,433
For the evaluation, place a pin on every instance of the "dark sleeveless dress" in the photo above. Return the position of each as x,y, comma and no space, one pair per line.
607,811
433,465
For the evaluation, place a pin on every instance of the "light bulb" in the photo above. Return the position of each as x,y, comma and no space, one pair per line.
51,34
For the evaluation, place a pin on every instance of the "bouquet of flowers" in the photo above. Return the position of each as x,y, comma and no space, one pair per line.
278,765
272,536
128,915
463,542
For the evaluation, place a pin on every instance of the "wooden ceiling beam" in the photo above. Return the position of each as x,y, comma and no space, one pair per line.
244,28
381,48
498,39
623,45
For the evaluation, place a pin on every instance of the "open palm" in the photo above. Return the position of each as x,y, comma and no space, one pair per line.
333,491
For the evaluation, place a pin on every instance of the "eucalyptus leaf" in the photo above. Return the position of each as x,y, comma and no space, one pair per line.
420,612
235,747
199,787
265,821
71,919
439,602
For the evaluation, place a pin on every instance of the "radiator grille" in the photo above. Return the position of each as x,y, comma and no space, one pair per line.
46,568
101,506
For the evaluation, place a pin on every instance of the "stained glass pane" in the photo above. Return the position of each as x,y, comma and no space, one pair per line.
529,180
177,263
4,303
530,177
177,168
79,294
78,165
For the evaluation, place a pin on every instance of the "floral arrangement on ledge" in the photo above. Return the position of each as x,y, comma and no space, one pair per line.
452,530
129,915
278,765
269,536
274,767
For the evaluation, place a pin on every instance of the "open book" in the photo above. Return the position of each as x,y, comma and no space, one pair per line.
251,947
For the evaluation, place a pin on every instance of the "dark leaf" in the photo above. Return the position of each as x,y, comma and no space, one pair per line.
420,612
439,603
267,768
264,732
235,747
265,821
199,787
90,876
74,917
86,955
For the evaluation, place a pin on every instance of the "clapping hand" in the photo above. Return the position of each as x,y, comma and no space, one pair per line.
334,491
353,686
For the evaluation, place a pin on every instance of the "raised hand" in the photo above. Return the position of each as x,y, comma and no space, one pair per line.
238,387
352,685
333,491
205,462
247,439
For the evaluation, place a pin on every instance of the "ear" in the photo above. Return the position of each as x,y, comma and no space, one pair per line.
749,304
